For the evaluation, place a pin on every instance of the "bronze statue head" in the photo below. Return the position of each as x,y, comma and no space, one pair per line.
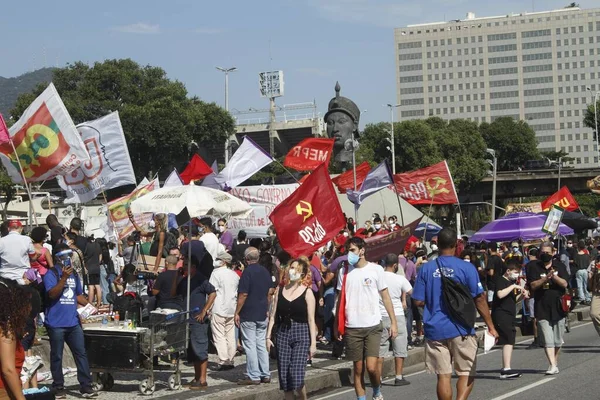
342,119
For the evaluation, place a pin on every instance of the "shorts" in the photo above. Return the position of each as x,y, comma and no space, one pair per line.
93,279
362,342
399,344
551,333
531,307
442,355
198,346
504,325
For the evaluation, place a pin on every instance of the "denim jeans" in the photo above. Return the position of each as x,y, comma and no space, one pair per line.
254,341
582,282
73,337
104,285
328,319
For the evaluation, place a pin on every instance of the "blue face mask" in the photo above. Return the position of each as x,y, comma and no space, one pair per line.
353,258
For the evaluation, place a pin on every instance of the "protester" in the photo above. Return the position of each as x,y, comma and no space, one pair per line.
44,261
16,251
530,302
226,283
164,284
202,297
62,322
362,284
57,231
504,312
14,307
329,286
107,269
398,288
93,256
581,263
294,311
225,237
77,259
198,250
594,280
251,318
240,245
494,268
162,239
76,227
448,343
210,240
406,263
130,253
548,280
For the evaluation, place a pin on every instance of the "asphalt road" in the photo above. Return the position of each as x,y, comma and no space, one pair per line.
579,365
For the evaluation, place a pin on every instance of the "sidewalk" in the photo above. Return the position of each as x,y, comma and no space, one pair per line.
325,374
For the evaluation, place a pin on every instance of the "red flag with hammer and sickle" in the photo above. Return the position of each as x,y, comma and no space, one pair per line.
429,185
309,217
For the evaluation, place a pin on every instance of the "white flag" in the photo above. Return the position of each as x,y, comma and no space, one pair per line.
109,166
210,181
245,162
45,139
173,180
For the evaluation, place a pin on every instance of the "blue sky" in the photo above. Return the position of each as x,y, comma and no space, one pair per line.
315,42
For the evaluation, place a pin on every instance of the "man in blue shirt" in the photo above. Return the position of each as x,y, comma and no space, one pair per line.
448,343
64,292
251,318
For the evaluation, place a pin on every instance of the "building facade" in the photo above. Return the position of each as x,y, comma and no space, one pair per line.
541,67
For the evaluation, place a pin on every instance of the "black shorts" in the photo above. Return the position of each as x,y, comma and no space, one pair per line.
505,327
93,279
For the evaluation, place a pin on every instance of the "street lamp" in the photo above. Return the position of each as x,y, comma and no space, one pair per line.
494,165
392,106
596,121
559,168
226,71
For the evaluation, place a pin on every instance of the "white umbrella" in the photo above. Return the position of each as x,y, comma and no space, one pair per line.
198,200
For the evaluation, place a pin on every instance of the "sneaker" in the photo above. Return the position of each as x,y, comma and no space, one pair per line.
509,374
265,379
309,363
247,382
87,392
378,397
553,370
60,393
401,382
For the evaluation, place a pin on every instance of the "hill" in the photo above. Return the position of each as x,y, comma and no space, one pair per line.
12,88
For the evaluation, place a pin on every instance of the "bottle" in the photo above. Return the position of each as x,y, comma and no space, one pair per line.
116,319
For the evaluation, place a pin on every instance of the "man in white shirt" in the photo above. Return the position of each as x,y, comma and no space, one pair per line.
226,284
210,240
363,287
398,288
16,251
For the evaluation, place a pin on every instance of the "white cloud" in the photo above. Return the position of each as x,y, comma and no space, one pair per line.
381,13
208,31
140,28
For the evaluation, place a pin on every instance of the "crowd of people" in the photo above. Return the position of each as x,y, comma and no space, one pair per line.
252,297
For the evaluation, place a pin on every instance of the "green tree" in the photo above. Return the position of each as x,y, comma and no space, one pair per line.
514,142
7,190
588,119
556,155
158,117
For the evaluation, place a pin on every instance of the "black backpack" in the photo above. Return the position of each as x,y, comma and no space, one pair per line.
459,301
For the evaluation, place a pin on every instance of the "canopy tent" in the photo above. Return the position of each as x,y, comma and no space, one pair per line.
523,225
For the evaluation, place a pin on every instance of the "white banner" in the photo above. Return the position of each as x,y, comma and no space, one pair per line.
46,141
109,166
263,200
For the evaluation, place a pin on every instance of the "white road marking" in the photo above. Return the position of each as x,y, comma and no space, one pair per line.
523,389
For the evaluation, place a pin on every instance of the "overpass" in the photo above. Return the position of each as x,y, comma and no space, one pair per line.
541,182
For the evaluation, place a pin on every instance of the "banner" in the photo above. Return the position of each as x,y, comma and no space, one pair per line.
345,181
173,180
248,159
563,199
380,246
117,209
378,178
109,165
46,141
535,208
309,154
263,199
430,185
310,217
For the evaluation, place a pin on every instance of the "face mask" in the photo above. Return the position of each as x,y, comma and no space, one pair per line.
217,263
353,258
515,249
346,234
467,259
569,245
545,258
513,276
294,275
434,247
221,228
377,226
391,222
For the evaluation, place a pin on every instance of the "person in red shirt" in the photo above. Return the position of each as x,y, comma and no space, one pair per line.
379,228
15,306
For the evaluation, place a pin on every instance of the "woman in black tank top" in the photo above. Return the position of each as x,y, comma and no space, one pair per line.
296,332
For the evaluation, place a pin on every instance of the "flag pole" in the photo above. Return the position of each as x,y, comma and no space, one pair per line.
286,170
354,177
427,221
27,188
397,196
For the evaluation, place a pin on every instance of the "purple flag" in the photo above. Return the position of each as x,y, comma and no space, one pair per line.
378,178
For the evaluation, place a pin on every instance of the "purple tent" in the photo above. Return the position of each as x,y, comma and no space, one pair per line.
522,225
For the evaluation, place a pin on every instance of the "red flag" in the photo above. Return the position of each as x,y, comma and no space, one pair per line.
345,180
563,198
430,185
310,217
4,136
196,169
309,154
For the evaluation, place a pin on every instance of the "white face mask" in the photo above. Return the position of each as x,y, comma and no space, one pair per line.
391,222
513,276
346,234
221,228
377,226
294,275
569,245
217,263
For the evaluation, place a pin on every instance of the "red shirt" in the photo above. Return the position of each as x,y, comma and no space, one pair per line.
19,360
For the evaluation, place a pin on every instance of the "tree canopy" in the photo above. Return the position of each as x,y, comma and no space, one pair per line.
513,141
158,117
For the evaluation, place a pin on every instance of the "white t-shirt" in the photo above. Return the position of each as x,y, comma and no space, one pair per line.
397,284
226,284
362,295
211,244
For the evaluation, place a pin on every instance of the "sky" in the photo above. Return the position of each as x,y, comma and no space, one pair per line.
314,42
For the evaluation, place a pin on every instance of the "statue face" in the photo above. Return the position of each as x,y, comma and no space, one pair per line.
339,127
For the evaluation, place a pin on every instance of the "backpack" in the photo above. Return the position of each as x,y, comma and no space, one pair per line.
459,301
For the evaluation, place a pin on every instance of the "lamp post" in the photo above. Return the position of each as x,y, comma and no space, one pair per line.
226,71
559,168
596,122
494,164
392,106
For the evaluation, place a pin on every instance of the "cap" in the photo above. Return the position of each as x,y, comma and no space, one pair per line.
224,256
15,223
343,104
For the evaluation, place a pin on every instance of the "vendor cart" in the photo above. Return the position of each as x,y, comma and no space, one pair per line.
116,347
